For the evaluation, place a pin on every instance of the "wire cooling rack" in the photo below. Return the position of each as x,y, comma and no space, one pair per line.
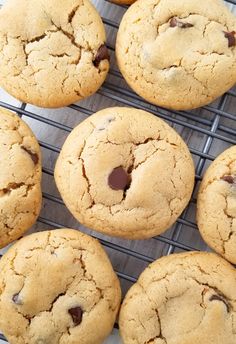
208,131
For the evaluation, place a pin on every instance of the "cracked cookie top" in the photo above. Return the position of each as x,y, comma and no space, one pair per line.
52,53
178,54
125,172
186,298
216,215
59,288
20,177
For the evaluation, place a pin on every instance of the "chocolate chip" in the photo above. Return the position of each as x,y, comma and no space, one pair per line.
34,156
12,186
76,314
220,298
175,22
118,179
231,38
228,179
16,299
102,54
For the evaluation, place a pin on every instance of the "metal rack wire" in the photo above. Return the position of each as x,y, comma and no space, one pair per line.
213,127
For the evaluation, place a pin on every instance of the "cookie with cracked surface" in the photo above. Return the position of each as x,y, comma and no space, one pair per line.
52,53
20,177
186,298
178,54
125,172
216,205
59,287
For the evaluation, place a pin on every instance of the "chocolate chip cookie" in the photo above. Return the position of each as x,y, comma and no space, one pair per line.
178,54
216,215
20,177
125,172
57,287
52,53
186,298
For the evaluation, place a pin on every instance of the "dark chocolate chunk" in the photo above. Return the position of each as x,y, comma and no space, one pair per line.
231,38
228,179
16,299
118,179
34,156
76,314
102,54
220,298
175,22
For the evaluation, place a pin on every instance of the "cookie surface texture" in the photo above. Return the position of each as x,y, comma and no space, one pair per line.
60,288
184,298
216,215
52,53
178,54
125,172
20,177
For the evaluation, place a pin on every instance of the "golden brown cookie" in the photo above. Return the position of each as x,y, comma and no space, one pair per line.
186,298
178,54
20,177
125,172
216,215
57,287
52,53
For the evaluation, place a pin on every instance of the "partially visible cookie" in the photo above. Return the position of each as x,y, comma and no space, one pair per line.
186,298
216,205
125,172
20,177
52,53
178,54
59,288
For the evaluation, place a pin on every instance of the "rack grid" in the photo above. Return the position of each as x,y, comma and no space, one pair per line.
208,131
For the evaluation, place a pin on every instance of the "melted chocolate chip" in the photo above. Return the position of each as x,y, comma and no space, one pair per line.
34,156
220,298
16,299
12,186
102,54
118,179
228,179
76,314
231,38
175,22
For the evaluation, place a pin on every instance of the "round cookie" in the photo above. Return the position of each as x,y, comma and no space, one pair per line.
184,298
52,52
216,205
20,177
59,287
126,173
178,54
